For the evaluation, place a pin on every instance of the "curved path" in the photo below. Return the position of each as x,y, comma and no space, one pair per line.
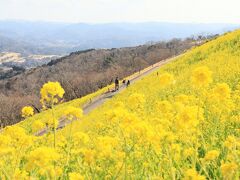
99,100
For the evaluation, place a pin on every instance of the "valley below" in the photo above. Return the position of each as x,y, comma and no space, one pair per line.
12,63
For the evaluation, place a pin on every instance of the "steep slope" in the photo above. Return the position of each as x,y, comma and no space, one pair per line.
81,73
87,103
182,121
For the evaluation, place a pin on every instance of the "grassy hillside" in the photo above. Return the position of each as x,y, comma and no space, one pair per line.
181,122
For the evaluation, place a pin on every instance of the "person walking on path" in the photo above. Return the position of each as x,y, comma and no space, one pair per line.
128,83
116,84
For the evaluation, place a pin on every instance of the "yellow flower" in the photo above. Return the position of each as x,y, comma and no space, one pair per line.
182,98
166,79
228,170
51,171
52,123
42,157
191,174
61,141
136,101
5,140
189,116
157,178
72,112
211,155
175,149
88,155
37,125
188,152
18,174
120,156
18,136
6,151
230,142
27,111
75,176
58,171
50,93
164,106
105,146
222,91
201,76
80,139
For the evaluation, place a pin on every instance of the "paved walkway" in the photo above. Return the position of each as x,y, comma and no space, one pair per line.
98,101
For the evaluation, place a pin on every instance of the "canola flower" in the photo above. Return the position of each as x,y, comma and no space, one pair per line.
75,176
229,170
50,93
72,112
192,174
211,155
166,79
182,124
37,126
27,111
222,91
232,142
41,157
201,76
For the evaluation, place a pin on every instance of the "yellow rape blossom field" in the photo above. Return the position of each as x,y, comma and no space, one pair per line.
180,122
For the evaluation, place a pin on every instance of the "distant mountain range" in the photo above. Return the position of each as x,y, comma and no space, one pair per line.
51,38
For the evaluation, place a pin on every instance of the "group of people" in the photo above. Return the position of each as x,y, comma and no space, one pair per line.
127,83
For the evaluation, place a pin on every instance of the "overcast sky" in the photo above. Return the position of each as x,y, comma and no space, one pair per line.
101,11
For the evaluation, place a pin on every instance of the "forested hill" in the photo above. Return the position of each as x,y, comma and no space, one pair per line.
81,73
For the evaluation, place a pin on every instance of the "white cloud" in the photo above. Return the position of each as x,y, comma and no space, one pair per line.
122,10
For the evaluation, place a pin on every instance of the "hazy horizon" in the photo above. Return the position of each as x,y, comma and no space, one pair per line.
120,11
116,22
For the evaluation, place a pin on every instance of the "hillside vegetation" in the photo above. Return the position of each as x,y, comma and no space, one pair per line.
81,73
180,122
